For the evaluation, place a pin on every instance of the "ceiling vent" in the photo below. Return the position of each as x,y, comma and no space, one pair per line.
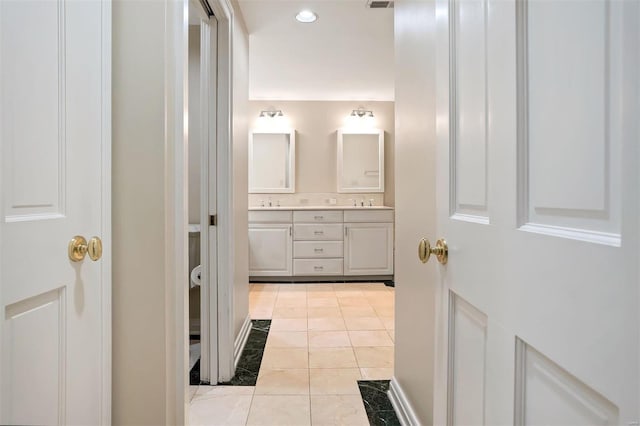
379,4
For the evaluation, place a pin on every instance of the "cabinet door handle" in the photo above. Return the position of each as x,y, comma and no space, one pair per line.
318,250
346,231
318,217
318,232
290,231
318,268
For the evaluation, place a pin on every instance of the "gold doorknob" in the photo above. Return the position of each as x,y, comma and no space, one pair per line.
441,250
78,248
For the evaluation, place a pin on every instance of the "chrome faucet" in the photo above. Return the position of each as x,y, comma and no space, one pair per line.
362,202
370,202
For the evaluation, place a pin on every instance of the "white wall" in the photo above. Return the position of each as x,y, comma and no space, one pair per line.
240,168
139,296
316,124
415,201
143,301
347,54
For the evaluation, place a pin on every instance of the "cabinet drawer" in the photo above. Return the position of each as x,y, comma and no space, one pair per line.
317,249
317,267
319,232
270,216
368,216
317,216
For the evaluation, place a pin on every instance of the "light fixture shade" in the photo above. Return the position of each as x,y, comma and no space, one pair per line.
271,113
306,17
361,112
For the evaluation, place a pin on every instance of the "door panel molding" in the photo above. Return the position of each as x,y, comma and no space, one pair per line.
539,382
40,318
573,193
468,339
469,179
35,187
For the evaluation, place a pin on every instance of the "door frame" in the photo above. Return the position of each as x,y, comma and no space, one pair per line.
443,303
176,60
208,256
176,202
217,337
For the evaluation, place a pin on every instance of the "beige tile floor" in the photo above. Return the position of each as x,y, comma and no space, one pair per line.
323,338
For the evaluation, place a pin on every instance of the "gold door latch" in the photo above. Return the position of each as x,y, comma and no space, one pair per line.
79,248
441,250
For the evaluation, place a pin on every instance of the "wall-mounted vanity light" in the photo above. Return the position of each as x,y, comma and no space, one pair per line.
361,112
360,118
271,113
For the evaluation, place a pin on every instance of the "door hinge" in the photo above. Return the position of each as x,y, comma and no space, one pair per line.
213,220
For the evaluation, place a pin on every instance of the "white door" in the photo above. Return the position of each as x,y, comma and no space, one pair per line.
368,249
270,250
208,92
538,201
55,121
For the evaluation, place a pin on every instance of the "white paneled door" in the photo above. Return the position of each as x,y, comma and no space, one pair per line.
55,352
538,156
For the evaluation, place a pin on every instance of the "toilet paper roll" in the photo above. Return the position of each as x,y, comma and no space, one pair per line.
195,276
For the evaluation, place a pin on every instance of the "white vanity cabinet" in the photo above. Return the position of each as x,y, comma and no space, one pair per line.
368,242
321,243
270,244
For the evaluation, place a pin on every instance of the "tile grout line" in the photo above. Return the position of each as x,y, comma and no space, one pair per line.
253,394
309,357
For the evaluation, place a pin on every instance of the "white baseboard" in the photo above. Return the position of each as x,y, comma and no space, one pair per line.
401,405
241,341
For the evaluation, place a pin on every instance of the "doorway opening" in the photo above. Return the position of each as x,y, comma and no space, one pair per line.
203,271
208,194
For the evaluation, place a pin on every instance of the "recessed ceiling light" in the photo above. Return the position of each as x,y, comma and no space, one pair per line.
306,16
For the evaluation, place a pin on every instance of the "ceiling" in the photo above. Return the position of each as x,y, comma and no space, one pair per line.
347,54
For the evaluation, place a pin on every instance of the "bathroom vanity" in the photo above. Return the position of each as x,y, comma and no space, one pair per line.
326,242
315,242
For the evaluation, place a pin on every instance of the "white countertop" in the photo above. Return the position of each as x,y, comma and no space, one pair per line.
325,207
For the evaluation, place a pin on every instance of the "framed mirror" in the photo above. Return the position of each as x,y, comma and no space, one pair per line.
360,160
272,161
